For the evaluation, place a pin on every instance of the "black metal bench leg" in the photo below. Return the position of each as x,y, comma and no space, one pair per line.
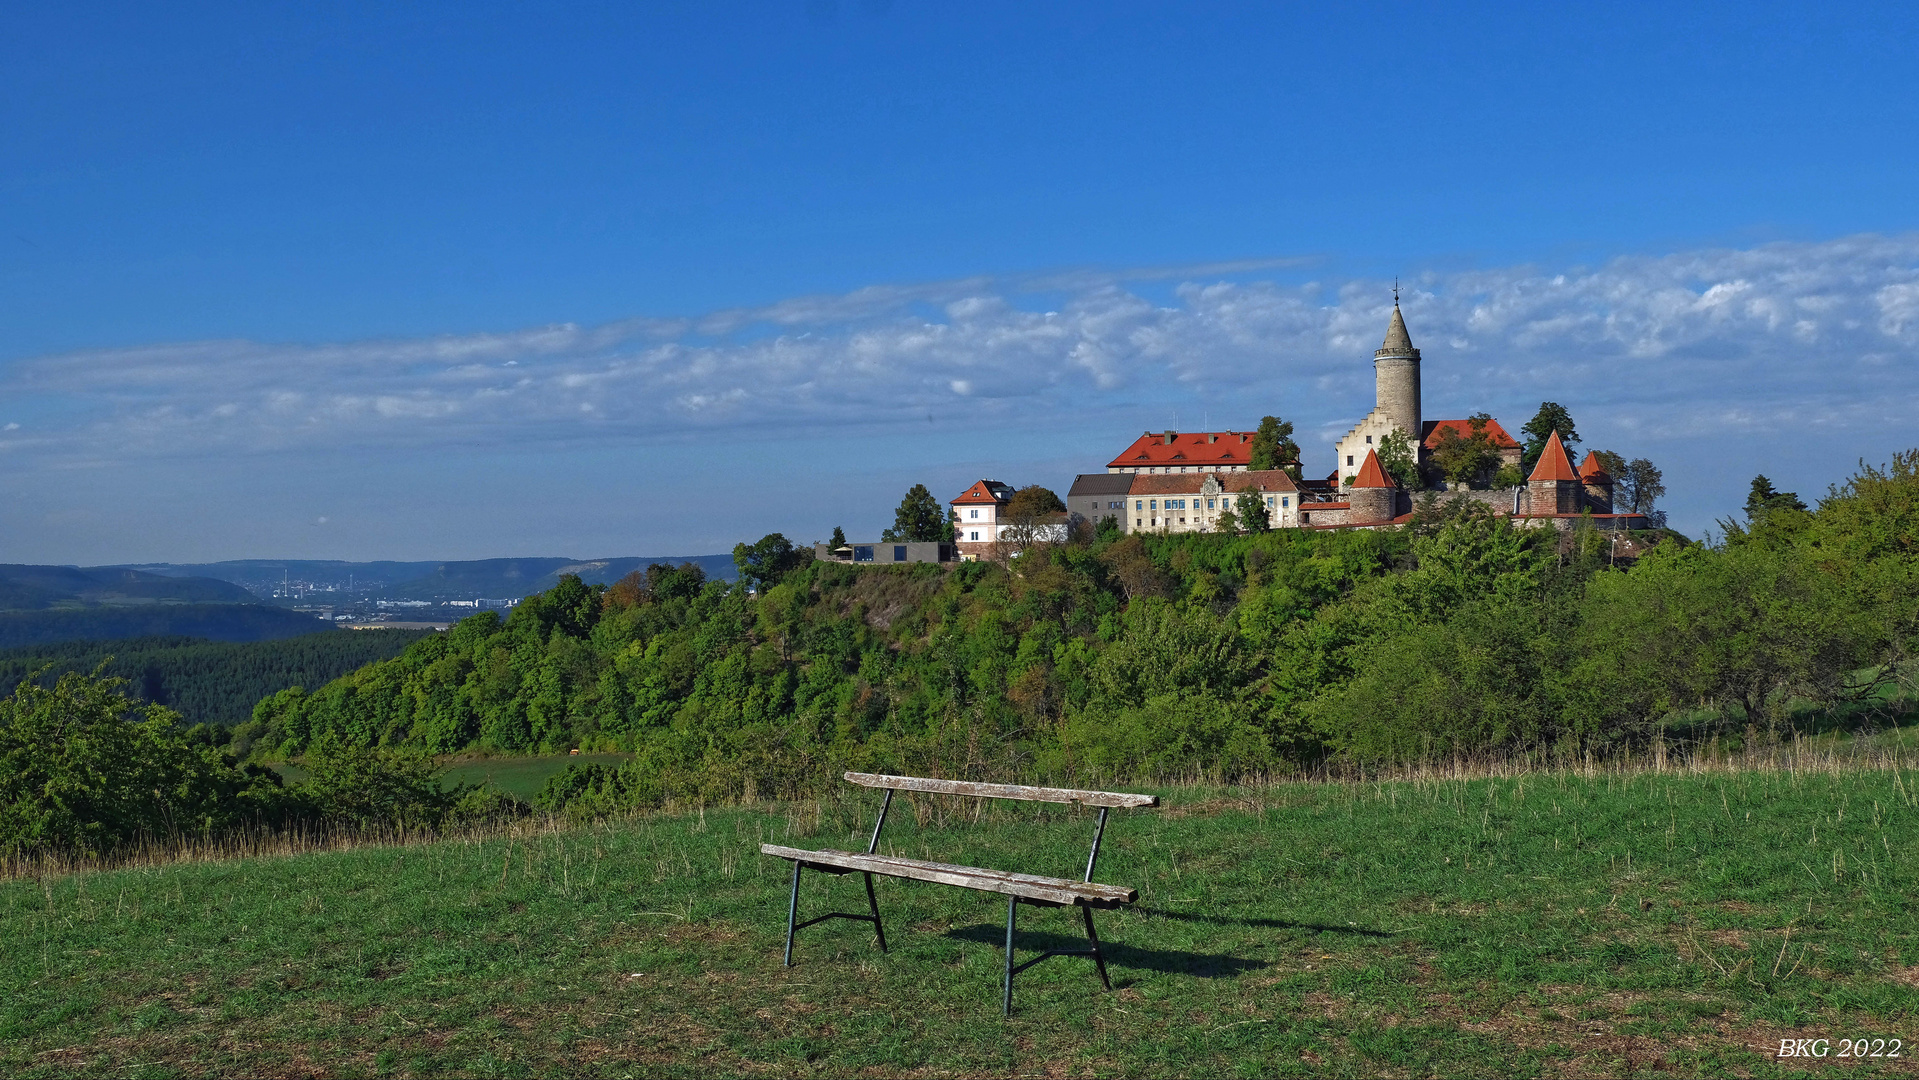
874,903
1006,1000
1093,936
793,911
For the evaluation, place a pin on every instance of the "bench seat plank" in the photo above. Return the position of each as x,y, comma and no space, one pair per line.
1001,791
1055,890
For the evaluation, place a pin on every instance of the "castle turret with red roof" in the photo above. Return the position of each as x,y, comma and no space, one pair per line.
1597,482
1372,495
1554,486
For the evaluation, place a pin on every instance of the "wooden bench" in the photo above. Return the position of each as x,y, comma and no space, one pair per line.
1085,894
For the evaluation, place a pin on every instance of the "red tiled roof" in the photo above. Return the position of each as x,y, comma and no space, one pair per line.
1203,448
1592,472
985,492
1371,475
1429,433
1188,483
1554,464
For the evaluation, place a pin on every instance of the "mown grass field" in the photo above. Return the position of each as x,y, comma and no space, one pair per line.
1650,924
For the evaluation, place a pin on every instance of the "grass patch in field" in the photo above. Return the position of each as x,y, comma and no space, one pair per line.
1556,925
518,776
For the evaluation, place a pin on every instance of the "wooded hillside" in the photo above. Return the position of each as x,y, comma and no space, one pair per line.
1143,657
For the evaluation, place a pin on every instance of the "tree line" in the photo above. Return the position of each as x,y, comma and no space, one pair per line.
1104,659
1136,657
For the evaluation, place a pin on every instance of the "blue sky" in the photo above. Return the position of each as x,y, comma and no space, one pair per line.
472,280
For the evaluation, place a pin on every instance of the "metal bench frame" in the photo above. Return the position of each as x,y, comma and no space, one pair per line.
1019,888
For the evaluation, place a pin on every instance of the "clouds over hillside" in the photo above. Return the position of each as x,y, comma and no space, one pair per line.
1688,344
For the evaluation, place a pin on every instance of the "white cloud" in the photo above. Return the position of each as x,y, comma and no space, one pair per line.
1692,343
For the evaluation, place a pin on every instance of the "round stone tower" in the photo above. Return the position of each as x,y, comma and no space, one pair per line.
1396,378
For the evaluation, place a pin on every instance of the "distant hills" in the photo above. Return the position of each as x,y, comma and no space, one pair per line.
496,579
36,588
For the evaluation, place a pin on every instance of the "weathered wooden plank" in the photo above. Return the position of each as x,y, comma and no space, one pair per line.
1001,791
1056,890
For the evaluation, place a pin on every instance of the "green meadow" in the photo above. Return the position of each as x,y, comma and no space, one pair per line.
1544,924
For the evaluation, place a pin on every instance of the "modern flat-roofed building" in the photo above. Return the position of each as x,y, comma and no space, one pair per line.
882,553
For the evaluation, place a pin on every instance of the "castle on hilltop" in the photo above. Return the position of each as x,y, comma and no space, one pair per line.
1204,481
1555,492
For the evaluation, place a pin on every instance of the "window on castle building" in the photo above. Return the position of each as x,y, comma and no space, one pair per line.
1286,502
1138,505
975,511
1209,504
973,535
1369,440
1349,459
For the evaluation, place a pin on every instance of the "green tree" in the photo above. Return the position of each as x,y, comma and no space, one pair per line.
1763,499
85,769
839,538
1644,483
1251,509
1273,447
919,519
1467,459
364,785
1400,459
764,563
1551,417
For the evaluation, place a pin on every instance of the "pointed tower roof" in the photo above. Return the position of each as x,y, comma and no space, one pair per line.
1398,342
1592,472
1371,475
1554,463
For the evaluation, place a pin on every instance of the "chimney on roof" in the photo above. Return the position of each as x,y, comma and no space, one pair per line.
1169,436
1212,438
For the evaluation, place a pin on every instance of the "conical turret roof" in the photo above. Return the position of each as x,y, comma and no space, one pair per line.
1592,472
1371,475
1554,462
1398,342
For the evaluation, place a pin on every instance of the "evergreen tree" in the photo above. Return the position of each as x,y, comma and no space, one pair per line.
1551,417
1764,499
839,537
1273,447
919,519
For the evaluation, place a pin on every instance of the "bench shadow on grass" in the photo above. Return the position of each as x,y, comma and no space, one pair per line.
1031,943
1271,924
1173,961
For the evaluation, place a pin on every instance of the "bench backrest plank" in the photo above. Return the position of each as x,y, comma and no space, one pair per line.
1001,791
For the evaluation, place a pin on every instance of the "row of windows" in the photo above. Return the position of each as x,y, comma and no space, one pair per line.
1285,501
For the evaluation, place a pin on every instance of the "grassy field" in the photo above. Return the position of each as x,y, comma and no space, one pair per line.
1645,924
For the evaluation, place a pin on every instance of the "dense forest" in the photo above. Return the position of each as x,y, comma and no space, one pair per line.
216,622
208,682
1139,657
